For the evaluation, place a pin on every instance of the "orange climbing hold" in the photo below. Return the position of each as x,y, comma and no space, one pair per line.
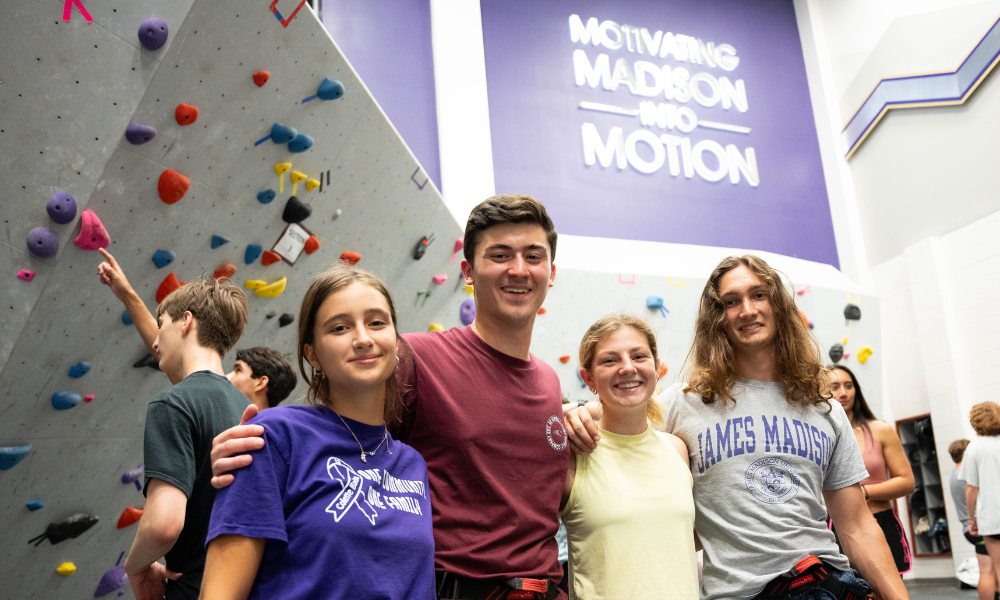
168,285
541,310
261,77
186,114
130,516
227,270
269,258
662,370
564,358
350,258
312,244
172,186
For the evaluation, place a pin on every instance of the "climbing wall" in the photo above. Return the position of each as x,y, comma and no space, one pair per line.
581,297
68,92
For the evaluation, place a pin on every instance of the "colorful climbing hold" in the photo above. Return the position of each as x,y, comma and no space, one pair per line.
541,311
168,285
350,258
843,340
269,258
330,89
580,379
42,242
225,271
863,353
219,240
805,319
421,248
459,246
654,302
112,579
162,258
266,196
440,278
272,290
296,177
311,245
261,77
153,33
836,352
65,400
138,134
435,327
61,208
130,516
147,361
253,284
80,369
11,455
93,235
467,312
280,169
285,319
69,528
88,398
26,274
126,318
852,312
661,371
312,184
470,290
564,358
186,114
35,505
135,476
172,186
301,143
253,253
66,569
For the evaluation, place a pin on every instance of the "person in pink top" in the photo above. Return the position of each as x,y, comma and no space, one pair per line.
890,475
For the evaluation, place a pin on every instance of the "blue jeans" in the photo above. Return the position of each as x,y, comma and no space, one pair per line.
850,578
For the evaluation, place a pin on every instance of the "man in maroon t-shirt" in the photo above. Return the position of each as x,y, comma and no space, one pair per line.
486,415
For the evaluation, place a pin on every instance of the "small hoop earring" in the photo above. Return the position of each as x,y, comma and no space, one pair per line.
593,391
397,360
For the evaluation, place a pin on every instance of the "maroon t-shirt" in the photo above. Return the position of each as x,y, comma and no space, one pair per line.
490,428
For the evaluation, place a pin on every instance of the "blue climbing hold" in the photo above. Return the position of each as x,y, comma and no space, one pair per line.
162,258
79,369
253,253
11,455
282,134
580,379
126,318
35,505
218,240
654,302
65,400
301,143
266,196
330,89
138,134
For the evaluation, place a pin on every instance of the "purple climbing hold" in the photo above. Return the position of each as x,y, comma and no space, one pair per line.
113,579
61,207
135,476
138,134
65,400
11,455
80,369
467,313
301,143
266,196
253,253
42,242
153,33
330,89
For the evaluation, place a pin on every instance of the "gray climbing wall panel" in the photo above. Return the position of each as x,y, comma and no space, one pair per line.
59,135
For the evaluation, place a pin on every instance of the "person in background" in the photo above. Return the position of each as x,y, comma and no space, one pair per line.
981,474
889,473
988,589
263,375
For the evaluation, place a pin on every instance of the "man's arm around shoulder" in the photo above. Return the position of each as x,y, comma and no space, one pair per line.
159,528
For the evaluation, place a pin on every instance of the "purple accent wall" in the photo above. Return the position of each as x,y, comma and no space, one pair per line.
389,44
537,141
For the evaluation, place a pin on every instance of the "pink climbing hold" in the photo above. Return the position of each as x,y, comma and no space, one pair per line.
439,279
93,235
88,398
25,274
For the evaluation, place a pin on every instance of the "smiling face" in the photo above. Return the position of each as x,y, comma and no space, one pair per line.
623,370
512,272
354,341
749,317
843,389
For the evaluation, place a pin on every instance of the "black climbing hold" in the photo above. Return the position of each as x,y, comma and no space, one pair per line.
64,530
271,314
285,319
852,312
836,352
421,248
296,211
147,361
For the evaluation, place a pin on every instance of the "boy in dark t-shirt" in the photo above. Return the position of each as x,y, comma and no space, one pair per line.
198,323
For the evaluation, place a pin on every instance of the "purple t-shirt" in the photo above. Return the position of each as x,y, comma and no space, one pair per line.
336,527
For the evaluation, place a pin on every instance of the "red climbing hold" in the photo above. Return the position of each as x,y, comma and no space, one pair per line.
312,244
168,285
269,258
662,370
29,275
130,516
186,114
93,235
172,186
564,358
541,310
227,271
261,77
350,258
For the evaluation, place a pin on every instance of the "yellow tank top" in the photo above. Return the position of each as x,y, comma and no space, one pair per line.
630,521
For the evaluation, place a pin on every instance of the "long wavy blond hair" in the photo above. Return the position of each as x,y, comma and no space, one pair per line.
608,325
710,367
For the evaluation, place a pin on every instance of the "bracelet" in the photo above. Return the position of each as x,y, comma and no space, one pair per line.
865,490
581,403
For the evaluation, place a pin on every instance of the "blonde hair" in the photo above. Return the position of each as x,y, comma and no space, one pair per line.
219,307
711,363
608,325
330,282
985,418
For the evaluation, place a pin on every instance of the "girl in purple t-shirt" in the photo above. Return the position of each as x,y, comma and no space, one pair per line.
331,506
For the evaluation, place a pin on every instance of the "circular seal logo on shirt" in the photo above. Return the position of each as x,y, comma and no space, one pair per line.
772,480
556,433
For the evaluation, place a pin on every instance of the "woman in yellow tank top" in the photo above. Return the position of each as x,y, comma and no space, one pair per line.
628,506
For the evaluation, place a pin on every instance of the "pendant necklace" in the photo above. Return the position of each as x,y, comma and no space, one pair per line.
364,452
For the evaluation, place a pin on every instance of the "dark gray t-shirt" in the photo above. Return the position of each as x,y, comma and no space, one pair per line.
760,467
958,495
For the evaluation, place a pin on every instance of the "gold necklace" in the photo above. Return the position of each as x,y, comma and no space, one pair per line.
363,451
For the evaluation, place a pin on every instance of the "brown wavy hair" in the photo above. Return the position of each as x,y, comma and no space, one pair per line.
985,418
330,282
710,366
608,325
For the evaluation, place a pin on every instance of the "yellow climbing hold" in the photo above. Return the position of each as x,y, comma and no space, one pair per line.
255,284
312,184
282,168
66,569
471,290
844,340
297,176
435,327
863,353
272,291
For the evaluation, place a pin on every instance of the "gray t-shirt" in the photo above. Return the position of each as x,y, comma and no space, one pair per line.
957,486
760,467
980,467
